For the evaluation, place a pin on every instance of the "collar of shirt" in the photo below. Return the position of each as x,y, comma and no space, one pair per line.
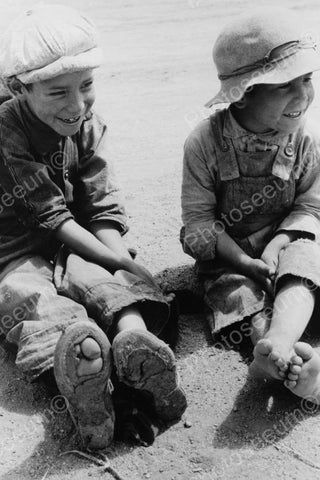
232,128
43,138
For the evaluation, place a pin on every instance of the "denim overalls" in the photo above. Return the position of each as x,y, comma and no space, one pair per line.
251,204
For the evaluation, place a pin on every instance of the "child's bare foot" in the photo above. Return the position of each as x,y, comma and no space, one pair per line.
269,359
304,373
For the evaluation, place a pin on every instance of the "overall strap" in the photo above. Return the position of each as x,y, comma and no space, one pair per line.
286,157
226,157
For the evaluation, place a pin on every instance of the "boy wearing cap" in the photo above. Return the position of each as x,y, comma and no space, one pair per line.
251,195
65,270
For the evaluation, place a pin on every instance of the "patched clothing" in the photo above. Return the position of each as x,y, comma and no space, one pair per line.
253,186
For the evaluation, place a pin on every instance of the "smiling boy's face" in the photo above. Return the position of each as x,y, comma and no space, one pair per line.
62,102
279,107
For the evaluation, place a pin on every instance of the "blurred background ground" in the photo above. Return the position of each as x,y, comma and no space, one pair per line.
151,90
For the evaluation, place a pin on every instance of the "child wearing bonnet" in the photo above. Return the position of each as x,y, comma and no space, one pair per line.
251,196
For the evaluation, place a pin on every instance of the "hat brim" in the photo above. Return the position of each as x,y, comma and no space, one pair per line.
74,63
302,62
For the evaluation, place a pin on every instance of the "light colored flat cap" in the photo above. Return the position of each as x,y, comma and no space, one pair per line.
47,41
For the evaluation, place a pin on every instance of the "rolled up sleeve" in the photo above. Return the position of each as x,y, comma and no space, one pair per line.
198,200
305,214
96,192
26,185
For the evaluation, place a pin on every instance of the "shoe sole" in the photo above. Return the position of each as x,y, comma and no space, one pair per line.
88,396
146,363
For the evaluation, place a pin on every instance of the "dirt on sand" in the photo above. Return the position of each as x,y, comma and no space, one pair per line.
151,91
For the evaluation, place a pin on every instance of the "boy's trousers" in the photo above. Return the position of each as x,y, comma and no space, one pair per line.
39,299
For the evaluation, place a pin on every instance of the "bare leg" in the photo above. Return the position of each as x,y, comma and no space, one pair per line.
303,377
293,307
130,317
260,324
146,363
89,352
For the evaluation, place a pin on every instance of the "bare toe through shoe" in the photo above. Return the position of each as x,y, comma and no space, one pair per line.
89,355
269,360
146,363
82,368
304,373
170,297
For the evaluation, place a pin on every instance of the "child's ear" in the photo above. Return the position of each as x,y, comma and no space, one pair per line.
15,86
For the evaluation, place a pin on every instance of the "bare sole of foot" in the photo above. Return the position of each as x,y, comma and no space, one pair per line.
269,360
304,373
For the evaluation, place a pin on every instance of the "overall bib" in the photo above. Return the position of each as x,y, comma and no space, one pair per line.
255,192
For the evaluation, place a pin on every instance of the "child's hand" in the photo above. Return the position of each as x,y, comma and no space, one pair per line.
271,258
139,271
262,273
271,252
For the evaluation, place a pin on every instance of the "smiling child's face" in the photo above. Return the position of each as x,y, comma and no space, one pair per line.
62,102
279,107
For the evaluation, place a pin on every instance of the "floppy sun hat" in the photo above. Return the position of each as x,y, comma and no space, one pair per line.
266,46
47,41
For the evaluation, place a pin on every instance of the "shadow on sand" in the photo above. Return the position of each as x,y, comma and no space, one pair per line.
264,413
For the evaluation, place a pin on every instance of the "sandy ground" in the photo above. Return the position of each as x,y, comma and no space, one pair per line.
157,76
